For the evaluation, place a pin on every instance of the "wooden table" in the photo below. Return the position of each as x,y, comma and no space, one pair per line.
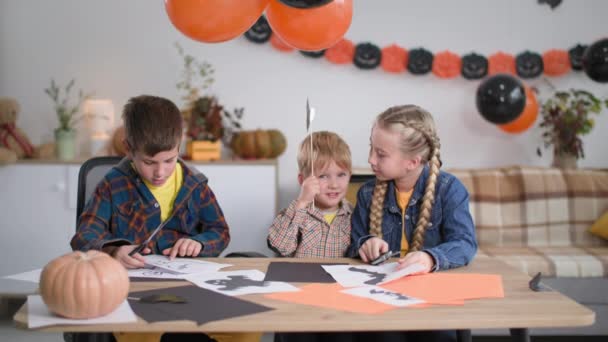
520,309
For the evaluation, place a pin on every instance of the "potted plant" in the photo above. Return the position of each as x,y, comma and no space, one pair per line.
202,114
567,116
65,134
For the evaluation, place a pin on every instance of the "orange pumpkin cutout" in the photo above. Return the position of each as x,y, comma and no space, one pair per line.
84,285
214,21
527,117
446,65
310,29
341,53
394,59
501,63
279,44
556,62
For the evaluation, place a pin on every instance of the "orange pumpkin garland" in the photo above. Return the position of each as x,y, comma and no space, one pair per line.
394,59
83,285
341,53
501,63
556,62
446,65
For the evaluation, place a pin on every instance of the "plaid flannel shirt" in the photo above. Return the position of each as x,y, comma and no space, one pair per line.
304,233
122,210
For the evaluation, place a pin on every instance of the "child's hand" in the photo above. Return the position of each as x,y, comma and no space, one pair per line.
310,188
184,247
421,258
122,255
372,249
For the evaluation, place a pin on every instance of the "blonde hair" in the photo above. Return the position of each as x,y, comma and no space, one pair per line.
419,138
327,147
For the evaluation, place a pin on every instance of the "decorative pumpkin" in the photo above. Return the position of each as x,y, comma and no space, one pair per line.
258,144
84,285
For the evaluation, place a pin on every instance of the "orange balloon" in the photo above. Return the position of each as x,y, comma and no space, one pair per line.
214,21
527,117
310,29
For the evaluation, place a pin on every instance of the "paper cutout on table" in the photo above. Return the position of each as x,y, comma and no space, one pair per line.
298,272
31,276
330,296
182,265
449,288
201,306
367,275
237,283
383,296
38,315
154,273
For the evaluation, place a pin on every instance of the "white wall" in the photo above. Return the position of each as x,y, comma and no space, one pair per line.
123,48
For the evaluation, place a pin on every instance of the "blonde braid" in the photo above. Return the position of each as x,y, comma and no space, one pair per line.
429,193
375,216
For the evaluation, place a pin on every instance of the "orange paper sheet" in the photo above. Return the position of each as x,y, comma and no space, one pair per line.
449,288
329,296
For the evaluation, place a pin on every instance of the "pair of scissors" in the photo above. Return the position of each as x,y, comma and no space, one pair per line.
143,245
384,257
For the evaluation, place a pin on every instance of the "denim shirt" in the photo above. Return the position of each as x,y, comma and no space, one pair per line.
450,239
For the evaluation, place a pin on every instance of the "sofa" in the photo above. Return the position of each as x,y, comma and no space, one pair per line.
537,220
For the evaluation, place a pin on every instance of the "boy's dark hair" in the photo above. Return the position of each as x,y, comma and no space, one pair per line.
152,124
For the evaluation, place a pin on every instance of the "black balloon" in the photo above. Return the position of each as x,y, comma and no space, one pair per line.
595,61
529,64
305,3
420,61
474,66
367,56
501,99
313,54
260,32
575,55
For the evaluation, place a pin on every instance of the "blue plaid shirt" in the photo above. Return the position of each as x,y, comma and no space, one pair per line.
122,210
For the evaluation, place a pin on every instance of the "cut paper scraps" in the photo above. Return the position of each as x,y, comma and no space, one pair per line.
383,296
368,275
236,283
330,296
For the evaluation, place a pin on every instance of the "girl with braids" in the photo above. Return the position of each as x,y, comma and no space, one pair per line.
411,206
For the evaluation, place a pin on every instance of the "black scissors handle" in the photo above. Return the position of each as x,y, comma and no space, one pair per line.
137,249
384,257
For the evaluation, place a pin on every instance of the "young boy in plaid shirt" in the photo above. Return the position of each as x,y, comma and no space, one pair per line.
149,186
317,223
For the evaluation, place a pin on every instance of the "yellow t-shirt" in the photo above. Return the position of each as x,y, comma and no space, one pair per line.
166,193
403,199
329,217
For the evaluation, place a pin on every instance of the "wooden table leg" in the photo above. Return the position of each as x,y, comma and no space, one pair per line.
137,337
520,335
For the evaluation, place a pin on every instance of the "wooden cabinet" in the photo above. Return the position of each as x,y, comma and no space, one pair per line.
38,207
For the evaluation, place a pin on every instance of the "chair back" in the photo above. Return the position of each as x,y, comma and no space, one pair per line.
91,173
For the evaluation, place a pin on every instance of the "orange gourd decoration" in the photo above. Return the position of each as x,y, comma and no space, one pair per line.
527,117
556,62
394,59
214,21
310,29
446,65
501,63
259,144
279,44
83,285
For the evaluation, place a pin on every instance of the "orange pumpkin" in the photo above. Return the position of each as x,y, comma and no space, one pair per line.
258,144
84,285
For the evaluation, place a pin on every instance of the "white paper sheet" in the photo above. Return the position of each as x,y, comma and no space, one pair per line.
155,273
32,276
183,265
382,295
237,283
367,275
39,316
